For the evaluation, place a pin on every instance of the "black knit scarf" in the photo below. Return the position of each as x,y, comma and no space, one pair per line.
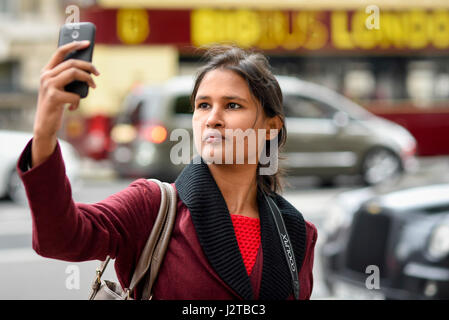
200,193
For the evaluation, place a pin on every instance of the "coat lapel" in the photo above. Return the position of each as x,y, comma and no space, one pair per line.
200,193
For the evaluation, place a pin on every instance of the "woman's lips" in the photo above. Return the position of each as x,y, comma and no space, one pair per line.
214,140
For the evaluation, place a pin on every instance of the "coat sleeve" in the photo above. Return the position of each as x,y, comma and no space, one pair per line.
306,273
117,226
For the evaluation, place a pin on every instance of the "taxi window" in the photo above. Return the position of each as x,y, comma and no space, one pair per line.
182,105
140,108
303,107
132,114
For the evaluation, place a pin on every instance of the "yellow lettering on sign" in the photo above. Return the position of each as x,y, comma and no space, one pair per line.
209,26
221,28
273,33
317,34
392,31
362,37
417,29
440,29
297,37
269,30
132,25
411,29
339,29
245,27
202,27
306,30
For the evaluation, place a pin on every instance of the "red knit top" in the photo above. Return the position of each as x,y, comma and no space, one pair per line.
247,232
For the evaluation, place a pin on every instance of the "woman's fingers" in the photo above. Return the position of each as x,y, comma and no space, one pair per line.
73,106
69,97
59,97
72,63
52,97
72,74
63,51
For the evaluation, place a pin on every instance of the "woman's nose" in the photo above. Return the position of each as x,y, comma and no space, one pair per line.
214,118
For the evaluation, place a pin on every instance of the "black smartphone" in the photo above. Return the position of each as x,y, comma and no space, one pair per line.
78,32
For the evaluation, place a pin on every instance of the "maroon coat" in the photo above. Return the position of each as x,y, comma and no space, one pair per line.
203,260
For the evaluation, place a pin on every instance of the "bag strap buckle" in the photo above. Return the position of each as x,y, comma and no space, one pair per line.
98,272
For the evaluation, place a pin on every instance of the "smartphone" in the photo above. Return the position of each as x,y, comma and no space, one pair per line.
78,32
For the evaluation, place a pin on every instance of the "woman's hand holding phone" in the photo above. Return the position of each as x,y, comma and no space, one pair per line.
52,98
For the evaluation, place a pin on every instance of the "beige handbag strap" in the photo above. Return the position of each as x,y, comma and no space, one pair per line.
156,245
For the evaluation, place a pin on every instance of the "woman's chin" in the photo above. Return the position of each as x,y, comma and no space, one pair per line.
210,158
212,153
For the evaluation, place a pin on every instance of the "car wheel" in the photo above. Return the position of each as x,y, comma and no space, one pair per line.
380,165
15,189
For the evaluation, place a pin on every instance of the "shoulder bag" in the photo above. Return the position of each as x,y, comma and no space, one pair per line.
151,258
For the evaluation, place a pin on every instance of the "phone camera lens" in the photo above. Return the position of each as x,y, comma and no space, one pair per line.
75,34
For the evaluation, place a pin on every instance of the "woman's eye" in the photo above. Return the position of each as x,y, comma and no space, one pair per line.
202,105
233,105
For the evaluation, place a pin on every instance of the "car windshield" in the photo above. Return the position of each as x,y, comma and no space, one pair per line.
309,100
350,107
140,108
297,106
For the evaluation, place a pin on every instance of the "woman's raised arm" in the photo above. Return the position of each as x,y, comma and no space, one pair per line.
62,229
52,98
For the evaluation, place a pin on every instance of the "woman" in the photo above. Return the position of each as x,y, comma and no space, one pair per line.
224,243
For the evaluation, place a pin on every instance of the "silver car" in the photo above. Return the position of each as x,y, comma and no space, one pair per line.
12,144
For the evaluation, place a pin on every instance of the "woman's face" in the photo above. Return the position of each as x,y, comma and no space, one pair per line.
223,105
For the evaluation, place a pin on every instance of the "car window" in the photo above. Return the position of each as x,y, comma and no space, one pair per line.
303,107
136,114
132,113
182,105
141,107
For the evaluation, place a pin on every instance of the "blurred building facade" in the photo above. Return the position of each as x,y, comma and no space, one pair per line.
390,56
28,29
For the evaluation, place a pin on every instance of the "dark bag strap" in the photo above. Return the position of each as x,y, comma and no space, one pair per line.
286,244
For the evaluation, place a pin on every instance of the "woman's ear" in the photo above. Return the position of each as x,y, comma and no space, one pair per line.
273,127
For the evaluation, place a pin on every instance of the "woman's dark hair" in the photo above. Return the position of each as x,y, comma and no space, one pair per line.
255,69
